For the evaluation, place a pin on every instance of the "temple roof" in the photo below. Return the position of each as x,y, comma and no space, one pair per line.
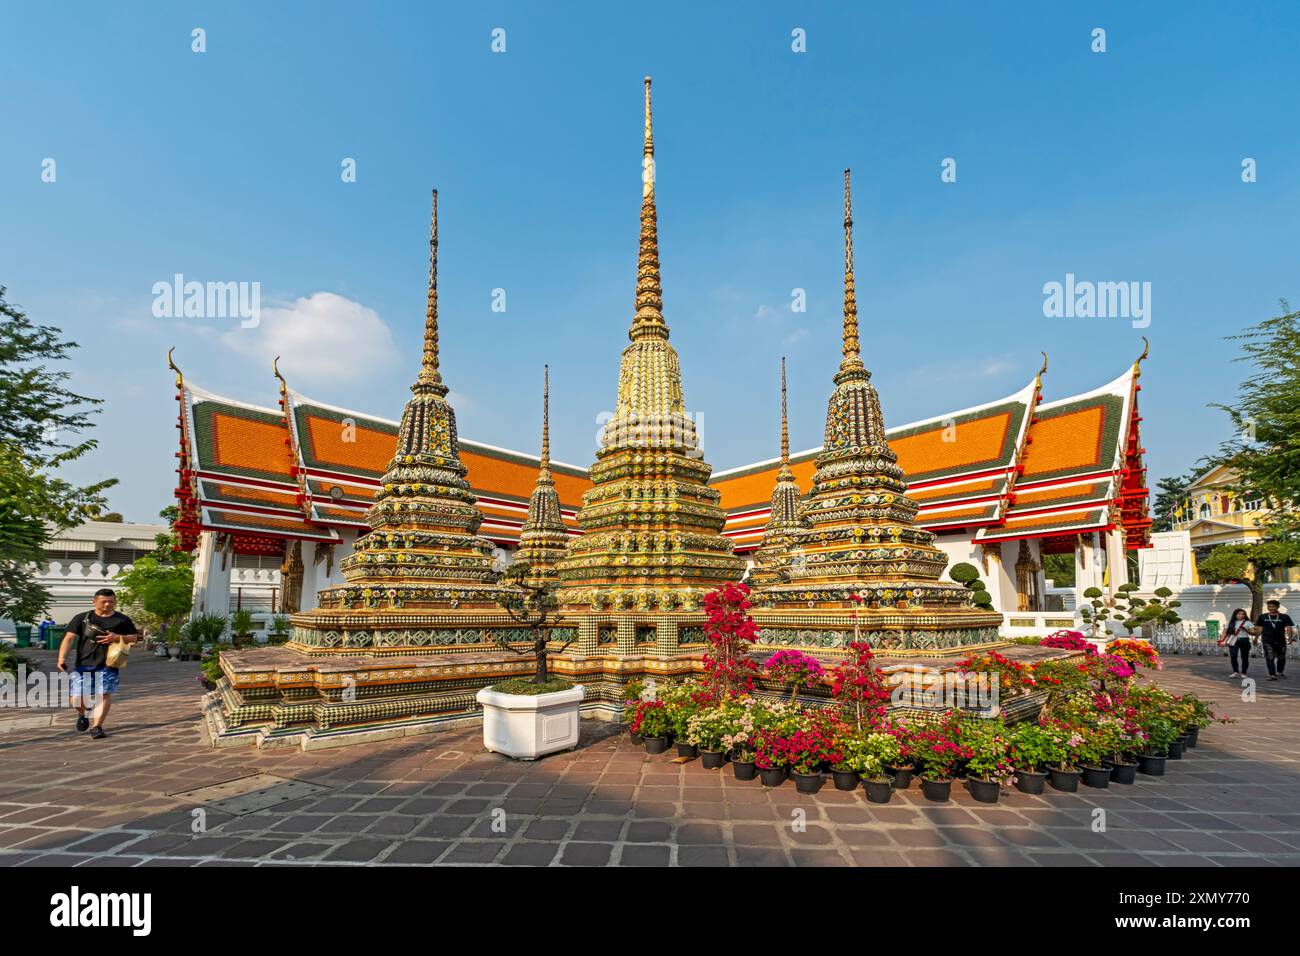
1004,470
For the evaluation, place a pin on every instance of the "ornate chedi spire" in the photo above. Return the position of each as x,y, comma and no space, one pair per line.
652,525
861,541
772,557
544,538
423,551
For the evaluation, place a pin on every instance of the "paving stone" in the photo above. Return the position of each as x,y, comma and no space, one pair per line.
645,855
530,854
649,832
586,854
702,856
417,851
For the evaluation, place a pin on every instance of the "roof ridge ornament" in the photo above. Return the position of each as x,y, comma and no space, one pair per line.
1038,379
275,368
180,379
1146,350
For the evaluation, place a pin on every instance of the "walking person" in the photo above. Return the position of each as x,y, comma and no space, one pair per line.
1276,631
86,642
1236,636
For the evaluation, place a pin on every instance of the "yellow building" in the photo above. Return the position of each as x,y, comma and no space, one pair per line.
1213,514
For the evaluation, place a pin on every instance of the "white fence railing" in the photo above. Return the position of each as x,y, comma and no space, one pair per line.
1189,637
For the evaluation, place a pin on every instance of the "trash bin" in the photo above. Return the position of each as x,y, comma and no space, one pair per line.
53,637
24,634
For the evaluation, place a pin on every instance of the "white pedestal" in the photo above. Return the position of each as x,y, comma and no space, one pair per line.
530,725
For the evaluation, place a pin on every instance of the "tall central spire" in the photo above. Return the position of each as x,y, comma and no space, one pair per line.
546,421
649,319
429,374
785,473
851,366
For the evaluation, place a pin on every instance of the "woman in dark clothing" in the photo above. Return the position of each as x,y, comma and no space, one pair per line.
1236,635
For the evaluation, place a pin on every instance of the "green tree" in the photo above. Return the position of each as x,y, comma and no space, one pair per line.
159,592
37,414
1248,564
1059,569
1265,449
1170,493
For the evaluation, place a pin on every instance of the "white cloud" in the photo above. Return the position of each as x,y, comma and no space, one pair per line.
323,335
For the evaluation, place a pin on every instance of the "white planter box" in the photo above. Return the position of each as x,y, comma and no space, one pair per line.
530,725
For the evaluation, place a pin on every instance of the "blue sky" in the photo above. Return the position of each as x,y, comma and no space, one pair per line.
225,166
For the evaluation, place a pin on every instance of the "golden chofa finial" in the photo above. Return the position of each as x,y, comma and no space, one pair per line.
649,318
1042,371
1146,350
180,379
275,368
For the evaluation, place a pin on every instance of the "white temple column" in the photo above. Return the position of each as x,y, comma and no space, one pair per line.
212,568
1087,566
312,575
1116,560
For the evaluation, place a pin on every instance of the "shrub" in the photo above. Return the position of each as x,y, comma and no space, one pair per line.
1034,747
794,669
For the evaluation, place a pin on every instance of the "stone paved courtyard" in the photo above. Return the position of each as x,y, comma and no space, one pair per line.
67,800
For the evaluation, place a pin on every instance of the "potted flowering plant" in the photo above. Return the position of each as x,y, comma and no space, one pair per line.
989,766
902,768
872,753
683,701
707,728
938,754
1136,653
806,751
1069,641
740,738
1060,680
794,669
632,692
848,745
1034,748
859,686
771,756
650,720
1013,678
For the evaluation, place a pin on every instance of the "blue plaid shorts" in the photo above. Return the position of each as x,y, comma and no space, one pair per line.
93,681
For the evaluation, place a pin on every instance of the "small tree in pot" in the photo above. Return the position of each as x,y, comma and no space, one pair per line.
531,603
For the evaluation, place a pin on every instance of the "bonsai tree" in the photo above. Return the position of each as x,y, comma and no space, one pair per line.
969,575
1095,613
1248,563
531,603
1156,610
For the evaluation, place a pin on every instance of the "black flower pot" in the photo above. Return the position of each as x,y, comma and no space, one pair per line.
808,782
1098,777
1176,749
845,779
656,745
1193,736
1123,772
636,738
711,759
878,791
1151,765
686,750
744,769
902,776
984,791
1067,781
1030,781
772,776
937,790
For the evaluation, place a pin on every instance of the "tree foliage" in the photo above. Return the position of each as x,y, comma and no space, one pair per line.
1265,449
38,414
1247,564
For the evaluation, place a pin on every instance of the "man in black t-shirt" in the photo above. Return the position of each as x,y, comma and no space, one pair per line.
1277,630
86,642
